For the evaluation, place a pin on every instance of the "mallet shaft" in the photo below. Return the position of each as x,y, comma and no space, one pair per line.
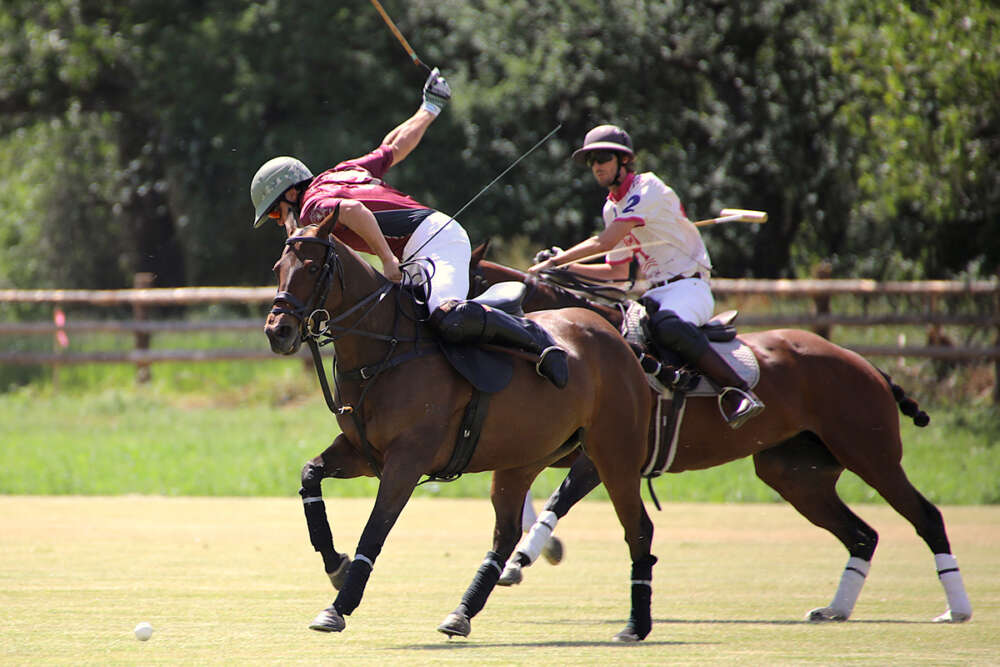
398,34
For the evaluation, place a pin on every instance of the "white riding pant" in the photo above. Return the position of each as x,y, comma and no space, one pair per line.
690,298
450,252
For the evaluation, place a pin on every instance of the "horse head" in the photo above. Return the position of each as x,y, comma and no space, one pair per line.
305,271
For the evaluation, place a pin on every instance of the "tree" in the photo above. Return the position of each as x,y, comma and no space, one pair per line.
925,83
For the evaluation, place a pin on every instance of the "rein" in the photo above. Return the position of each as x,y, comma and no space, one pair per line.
592,287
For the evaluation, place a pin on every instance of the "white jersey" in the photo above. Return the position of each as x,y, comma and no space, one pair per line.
665,243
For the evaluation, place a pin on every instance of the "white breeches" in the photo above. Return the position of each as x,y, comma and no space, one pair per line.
691,299
450,252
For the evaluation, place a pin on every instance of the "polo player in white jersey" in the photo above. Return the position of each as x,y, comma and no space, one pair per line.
644,221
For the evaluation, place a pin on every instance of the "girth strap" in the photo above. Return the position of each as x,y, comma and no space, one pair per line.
467,440
665,432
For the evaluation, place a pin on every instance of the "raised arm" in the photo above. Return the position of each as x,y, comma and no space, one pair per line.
404,137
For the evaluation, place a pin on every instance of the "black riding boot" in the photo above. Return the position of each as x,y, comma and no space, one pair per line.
471,322
737,402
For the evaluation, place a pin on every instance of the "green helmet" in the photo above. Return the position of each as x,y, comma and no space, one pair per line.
270,182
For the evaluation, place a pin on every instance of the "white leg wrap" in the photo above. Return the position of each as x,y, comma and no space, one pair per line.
850,586
531,544
958,601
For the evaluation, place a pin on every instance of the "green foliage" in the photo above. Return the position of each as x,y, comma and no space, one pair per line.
925,83
864,129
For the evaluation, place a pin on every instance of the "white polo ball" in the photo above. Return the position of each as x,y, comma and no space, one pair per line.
143,631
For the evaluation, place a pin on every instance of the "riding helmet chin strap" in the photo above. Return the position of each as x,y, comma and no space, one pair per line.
618,170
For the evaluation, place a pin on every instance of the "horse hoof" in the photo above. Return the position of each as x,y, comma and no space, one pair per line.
823,614
511,575
953,617
626,636
456,625
328,620
553,550
339,576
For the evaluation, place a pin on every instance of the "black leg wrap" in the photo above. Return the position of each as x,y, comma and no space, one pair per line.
640,620
350,595
319,528
482,585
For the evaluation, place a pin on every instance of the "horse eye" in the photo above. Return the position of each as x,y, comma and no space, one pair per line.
313,268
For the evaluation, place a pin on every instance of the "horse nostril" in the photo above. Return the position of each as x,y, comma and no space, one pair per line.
283,331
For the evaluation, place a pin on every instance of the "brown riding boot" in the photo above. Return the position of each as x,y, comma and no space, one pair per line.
736,401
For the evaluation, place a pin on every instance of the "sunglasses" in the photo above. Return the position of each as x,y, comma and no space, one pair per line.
599,157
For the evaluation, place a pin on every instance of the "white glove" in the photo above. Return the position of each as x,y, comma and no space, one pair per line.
437,92
548,253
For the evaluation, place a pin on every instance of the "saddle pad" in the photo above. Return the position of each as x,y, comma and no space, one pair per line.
485,370
737,354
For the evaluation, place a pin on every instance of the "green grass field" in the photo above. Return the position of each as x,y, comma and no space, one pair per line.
233,581
232,429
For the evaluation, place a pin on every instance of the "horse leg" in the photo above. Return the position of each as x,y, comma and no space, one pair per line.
581,480
399,478
886,475
804,472
553,549
623,488
338,460
507,493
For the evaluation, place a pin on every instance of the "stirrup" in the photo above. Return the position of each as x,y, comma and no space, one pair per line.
750,406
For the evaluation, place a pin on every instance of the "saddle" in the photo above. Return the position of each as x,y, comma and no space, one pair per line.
667,372
486,370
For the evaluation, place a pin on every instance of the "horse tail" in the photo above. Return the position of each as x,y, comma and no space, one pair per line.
907,405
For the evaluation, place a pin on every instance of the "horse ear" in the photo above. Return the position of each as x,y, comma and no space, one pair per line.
478,253
330,221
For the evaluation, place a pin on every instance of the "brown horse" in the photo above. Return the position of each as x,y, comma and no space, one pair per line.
828,409
400,404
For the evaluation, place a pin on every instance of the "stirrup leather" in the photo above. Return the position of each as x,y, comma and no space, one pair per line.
750,406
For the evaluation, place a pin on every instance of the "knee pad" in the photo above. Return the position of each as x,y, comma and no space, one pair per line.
457,321
678,335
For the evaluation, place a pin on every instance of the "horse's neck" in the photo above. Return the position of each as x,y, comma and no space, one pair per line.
378,316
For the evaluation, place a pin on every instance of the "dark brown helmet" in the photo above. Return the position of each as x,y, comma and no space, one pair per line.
604,138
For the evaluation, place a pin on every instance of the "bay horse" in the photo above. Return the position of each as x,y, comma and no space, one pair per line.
828,409
400,406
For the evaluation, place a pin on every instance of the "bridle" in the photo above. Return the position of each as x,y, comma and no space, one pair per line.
317,328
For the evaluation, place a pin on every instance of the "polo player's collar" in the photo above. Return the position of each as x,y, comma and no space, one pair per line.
619,193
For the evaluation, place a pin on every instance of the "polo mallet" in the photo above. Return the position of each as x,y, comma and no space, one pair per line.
725,215
734,215
402,40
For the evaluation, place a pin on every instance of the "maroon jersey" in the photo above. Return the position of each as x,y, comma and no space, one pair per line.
397,214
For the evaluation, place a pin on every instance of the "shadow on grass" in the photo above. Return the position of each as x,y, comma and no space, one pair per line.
739,621
458,644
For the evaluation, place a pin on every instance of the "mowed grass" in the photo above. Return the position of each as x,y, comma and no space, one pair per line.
234,581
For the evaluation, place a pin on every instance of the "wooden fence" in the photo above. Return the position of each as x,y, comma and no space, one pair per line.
818,317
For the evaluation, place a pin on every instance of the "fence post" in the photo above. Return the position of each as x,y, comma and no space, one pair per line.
996,361
143,373
822,271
